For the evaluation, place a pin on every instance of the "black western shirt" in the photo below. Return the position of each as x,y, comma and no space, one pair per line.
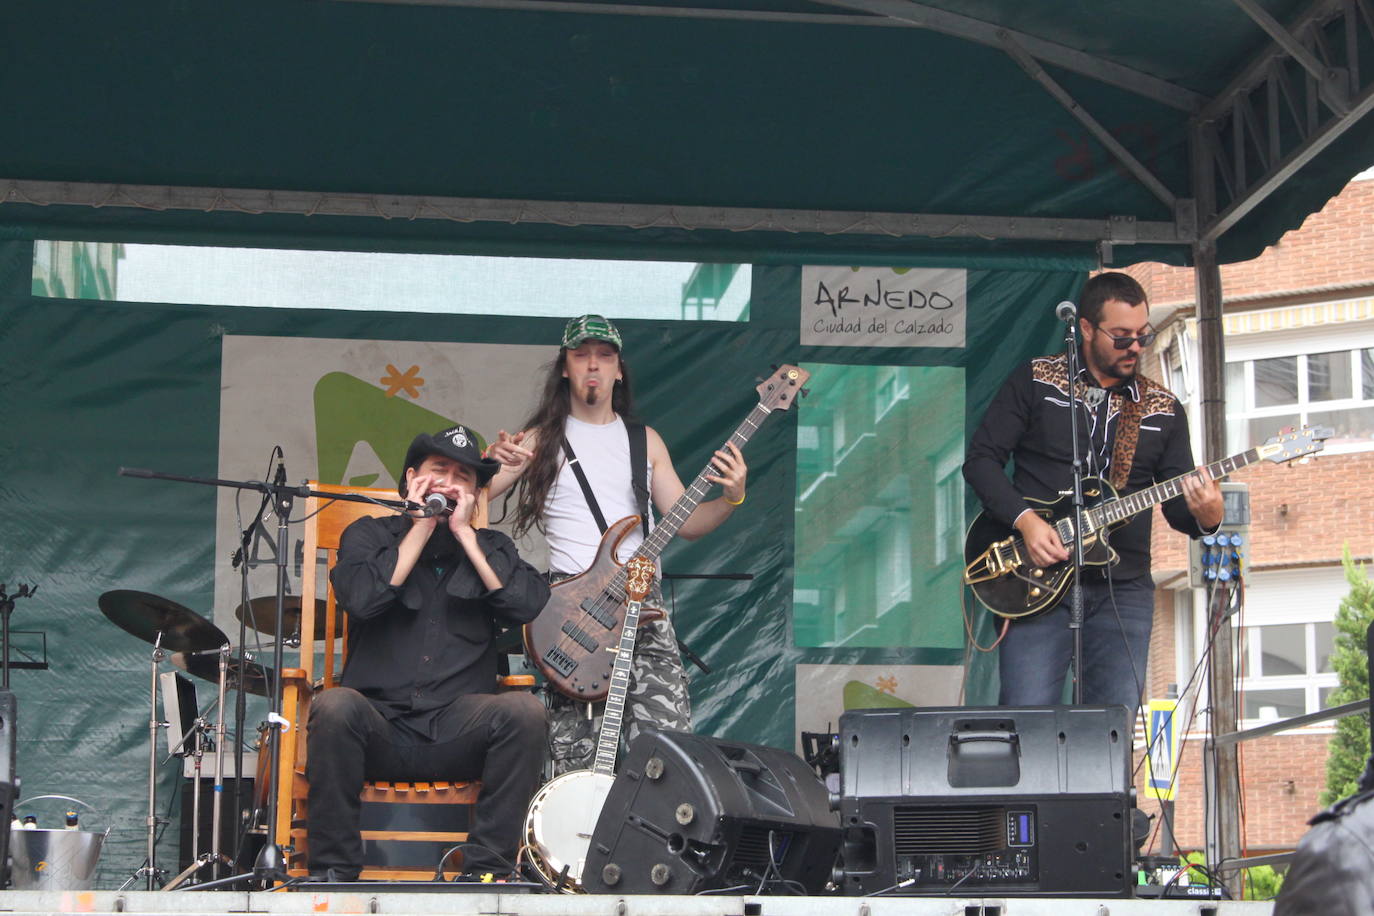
1028,421
415,648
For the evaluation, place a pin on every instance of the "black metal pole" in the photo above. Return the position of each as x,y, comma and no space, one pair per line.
1076,551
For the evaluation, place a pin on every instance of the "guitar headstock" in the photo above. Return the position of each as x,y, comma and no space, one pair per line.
780,390
1295,443
639,578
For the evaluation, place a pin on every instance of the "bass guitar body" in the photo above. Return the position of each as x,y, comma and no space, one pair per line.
573,640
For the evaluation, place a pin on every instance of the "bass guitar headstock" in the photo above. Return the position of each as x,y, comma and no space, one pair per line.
780,390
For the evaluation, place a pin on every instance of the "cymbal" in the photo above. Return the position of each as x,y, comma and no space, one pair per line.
146,615
253,677
262,614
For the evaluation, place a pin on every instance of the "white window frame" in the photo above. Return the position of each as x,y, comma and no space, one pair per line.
1277,597
1352,337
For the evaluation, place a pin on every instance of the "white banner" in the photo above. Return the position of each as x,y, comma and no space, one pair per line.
883,307
344,412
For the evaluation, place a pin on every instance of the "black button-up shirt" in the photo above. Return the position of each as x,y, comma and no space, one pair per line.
1028,420
415,648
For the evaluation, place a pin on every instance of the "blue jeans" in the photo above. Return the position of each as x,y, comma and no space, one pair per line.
1034,658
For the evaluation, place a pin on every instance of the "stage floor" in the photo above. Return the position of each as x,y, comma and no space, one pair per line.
484,903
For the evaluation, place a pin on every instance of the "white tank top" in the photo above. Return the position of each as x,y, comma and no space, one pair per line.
603,452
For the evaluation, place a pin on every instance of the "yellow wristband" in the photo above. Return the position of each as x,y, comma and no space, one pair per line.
728,503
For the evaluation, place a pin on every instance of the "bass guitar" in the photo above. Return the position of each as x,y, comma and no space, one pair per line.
567,640
999,569
559,824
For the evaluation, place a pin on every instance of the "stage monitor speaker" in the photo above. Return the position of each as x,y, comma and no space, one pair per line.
9,782
690,813
1024,801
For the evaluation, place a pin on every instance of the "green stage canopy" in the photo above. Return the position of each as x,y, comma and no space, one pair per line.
845,131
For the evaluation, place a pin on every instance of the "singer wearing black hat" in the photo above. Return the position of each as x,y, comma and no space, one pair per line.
425,596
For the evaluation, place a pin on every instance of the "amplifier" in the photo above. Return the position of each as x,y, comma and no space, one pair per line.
1021,801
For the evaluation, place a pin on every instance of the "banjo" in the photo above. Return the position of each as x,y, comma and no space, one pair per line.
559,824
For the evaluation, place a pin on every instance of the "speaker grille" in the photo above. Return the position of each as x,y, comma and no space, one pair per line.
948,831
752,849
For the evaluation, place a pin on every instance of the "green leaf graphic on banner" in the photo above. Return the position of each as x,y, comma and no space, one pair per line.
858,695
349,410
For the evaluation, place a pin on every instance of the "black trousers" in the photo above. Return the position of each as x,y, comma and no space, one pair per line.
497,738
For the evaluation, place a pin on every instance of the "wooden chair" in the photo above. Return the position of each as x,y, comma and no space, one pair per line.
325,524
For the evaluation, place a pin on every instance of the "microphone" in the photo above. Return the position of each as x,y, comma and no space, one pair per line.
436,504
1066,311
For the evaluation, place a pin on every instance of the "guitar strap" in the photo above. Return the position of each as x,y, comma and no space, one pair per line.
1127,437
639,459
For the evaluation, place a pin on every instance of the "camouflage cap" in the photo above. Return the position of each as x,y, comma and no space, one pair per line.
590,327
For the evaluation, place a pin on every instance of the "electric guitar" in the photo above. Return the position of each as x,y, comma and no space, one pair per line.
567,640
999,569
561,817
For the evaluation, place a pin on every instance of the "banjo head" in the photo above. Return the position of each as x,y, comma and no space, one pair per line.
559,824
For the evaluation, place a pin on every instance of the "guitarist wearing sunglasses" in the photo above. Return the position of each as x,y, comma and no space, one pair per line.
574,468
1132,433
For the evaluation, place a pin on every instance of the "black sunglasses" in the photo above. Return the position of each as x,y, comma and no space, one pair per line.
1124,343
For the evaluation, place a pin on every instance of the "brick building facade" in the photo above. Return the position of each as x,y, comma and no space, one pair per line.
1299,323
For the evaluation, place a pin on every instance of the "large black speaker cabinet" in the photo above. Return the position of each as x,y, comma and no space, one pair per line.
1022,801
690,813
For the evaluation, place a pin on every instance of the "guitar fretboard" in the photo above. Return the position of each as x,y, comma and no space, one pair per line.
608,742
1115,510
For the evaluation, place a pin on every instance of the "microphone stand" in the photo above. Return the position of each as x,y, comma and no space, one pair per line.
271,863
1076,551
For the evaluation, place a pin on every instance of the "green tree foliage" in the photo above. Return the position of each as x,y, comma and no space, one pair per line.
1349,747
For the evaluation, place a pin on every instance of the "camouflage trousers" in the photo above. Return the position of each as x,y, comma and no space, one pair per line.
658,697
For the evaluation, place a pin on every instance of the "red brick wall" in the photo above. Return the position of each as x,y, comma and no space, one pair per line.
1334,247
1281,777
1300,514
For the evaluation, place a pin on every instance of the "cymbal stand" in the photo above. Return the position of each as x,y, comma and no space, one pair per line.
150,872
217,855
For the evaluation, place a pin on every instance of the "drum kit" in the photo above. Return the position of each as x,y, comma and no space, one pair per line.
198,647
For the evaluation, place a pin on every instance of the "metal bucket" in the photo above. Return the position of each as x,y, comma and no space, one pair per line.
54,860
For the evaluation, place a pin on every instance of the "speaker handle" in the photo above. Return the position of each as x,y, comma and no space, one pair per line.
1004,737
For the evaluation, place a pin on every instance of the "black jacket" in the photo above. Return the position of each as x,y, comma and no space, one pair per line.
415,648
1028,420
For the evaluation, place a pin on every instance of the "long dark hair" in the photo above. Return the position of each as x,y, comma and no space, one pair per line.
547,423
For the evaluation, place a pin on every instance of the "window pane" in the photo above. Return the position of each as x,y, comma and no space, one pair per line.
1328,376
1235,388
1268,705
1354,425
879,520
1283,650
1367,372
379,281
1263,428
1276,381
1325,636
